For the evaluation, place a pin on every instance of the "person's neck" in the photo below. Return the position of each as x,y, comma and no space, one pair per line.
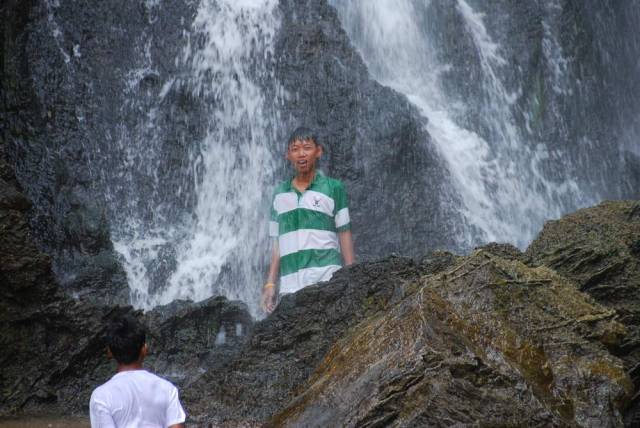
303,179
129,367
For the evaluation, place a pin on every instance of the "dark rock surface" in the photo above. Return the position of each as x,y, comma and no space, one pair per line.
41,132
599,249
43,332
61,70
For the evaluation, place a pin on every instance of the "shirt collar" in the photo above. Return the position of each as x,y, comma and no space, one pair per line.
315,178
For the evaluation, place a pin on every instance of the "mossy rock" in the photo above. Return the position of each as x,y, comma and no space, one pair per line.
488,341
598,250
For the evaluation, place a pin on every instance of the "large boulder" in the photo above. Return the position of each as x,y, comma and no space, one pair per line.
452,339
489,341
599,250
289,344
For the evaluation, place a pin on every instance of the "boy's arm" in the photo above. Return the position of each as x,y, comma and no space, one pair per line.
274,266
174,414
343,224
346,247
99,414
268,300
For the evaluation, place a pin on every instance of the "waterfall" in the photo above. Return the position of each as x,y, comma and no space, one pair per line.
200,230
165,124
495,164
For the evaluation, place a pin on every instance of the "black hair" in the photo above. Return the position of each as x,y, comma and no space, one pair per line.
302,133
125,338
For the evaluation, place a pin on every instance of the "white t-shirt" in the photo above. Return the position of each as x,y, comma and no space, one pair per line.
135,399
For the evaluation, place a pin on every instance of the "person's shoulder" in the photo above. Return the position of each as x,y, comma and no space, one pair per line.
334,183
100,393
158,379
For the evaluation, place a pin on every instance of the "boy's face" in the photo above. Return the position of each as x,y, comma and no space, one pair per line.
303,155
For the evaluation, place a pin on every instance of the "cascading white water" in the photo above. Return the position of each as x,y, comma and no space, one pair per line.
494,166
228,49
237,163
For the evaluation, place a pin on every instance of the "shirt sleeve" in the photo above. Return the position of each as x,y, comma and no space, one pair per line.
175,413
99,413
343,222
273,219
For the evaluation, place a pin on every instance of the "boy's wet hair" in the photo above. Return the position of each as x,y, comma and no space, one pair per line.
302,133
125,338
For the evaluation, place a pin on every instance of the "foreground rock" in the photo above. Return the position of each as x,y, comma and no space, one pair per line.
489,341
599,249
286,347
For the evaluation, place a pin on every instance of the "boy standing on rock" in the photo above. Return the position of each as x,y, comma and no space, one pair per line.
310,219
133,397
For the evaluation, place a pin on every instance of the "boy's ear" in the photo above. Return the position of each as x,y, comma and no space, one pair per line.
109,353
144,351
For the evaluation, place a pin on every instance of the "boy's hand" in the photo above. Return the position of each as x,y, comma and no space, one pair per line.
268,301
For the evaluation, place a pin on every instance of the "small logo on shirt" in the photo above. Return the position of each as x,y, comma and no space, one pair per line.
316,202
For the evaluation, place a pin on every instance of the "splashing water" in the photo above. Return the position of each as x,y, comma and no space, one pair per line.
494,168
214,250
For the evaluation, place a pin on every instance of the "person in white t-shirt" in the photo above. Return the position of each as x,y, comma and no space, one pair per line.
133,397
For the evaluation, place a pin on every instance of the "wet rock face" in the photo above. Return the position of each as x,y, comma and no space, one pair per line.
44,334
597,248
63,78
41,113
186,338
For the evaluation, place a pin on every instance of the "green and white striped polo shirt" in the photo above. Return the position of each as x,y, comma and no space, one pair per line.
306,225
